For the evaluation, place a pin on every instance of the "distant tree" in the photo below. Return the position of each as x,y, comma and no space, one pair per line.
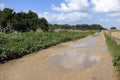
32,20
78,27
22,21
6,19
51,28
96,27
113,28
83,27
43,24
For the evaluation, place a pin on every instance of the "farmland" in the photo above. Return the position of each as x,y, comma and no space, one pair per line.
114,47
116,36
13,45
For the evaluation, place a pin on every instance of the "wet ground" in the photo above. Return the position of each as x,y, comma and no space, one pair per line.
84,59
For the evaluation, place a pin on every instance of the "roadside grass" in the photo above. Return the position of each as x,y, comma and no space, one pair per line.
115,50
14,46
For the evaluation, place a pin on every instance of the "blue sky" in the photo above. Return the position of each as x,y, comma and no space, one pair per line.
71,11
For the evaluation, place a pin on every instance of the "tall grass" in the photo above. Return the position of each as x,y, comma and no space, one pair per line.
13,46
115,50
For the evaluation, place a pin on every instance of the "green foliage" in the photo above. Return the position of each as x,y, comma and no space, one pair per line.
22,22
115,50
5,20
16,45
77,27
43,24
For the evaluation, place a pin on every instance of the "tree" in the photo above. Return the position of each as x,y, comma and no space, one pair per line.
20,22
51,28
43,24
32,20
113,28
6,17
96,27
24,22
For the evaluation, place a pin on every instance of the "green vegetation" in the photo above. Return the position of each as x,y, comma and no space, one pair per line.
76,27
16,45
115,50
11,21
19,33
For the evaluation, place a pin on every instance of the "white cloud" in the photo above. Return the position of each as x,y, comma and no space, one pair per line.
104,20
118,19
2,6
106,6
115,15
66,17
73,10
72,5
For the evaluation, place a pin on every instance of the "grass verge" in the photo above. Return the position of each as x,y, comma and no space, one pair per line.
115,50
13,45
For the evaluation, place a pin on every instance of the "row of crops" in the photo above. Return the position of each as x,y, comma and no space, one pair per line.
114,49
13,45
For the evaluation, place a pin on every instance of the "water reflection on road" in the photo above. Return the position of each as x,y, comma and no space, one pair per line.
77,57
74,60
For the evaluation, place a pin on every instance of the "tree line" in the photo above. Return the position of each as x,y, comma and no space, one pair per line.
21,22
76,27
11,21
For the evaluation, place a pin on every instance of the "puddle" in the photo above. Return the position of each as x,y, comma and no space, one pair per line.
95,35
103,50
76,59
73,61
89,43
83,45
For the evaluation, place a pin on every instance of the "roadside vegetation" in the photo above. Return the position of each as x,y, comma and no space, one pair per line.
114,49
13,45
24,32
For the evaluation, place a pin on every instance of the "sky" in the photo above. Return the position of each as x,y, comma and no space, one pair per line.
104,12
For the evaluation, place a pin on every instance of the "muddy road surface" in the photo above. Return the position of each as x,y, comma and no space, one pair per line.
84,59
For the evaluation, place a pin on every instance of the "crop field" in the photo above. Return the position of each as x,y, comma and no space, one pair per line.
116,36
16,45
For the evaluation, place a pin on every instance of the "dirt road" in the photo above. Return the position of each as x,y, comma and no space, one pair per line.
84,59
